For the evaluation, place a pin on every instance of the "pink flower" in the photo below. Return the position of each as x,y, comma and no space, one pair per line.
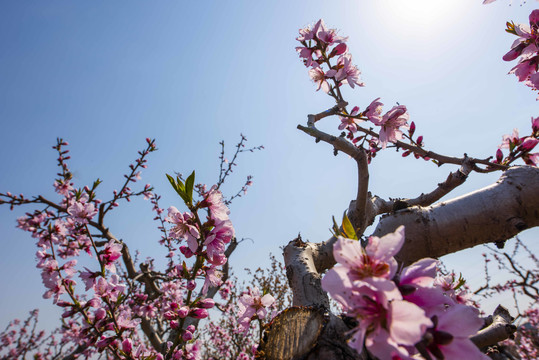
525,68
317,75
508,141
330,36
111,253
451,332
347,72
184,228
213,278
391,122
356,264
350,123
307,54
218,210
82,211
415,283
385,322
374,111
253,305
62,187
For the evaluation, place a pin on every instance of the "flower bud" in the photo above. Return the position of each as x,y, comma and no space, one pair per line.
340,49
186,251
127,346
100,314
535,124
169,315
499,156
191,285
183,311
187,335
411,131
206,303
420,140
528,144
191,328
199,313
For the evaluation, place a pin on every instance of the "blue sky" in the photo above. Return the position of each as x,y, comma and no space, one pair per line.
105,75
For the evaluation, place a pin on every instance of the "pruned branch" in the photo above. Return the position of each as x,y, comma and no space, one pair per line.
499,329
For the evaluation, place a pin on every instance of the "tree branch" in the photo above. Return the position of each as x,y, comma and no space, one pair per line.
499,329
492,214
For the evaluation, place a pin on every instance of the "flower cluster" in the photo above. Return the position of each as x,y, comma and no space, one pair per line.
400,313
527,48
520,147
320,46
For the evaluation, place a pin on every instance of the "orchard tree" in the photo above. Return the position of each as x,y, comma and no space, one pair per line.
391,298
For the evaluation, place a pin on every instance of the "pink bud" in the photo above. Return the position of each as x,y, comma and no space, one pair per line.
186,251
499,156
340,49
100,314
199,313
191,328
191,285
528,144
183,311
174,324
187,335
535,124
406,153
127,346
420,140
206,303
411,131
169,315
513,53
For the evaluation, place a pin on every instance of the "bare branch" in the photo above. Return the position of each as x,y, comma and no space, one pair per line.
500,329
358,211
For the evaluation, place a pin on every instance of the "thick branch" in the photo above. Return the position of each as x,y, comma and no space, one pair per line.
500,329
303,275
492,214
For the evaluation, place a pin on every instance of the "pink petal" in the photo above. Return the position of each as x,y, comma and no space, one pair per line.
460,320
387,246
407,322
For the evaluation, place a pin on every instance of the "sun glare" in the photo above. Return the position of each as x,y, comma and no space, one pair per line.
421,15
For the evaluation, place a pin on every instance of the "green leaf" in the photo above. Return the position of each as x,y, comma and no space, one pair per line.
189,184
348,228
335,229
172,182
179,187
